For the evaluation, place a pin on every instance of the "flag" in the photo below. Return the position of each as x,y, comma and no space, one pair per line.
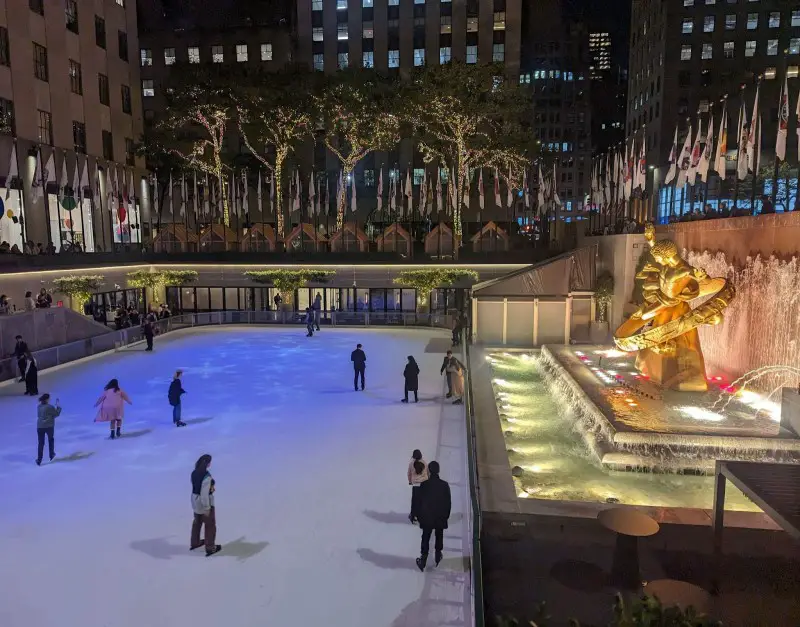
741,153
465,185
312,196
84,181
245,196
509,191
36,181
423,193
783,121
556,199
673,159
705,160
182,207
63,180
607,190
170,196
480,189
409,193
685,160
392,192
13,169
195,207
643,166
76,180
525,195
540,196
753,137
48,174
380,190
451,191
298,190
722,143
438,190
258,196
353,195
207,197
497,200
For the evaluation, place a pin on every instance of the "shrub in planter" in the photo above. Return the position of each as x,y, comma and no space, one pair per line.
79,288
425,281
287,281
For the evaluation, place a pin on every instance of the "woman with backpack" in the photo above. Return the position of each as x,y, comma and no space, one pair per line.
417,474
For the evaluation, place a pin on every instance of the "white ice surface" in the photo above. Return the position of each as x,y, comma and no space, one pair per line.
311,495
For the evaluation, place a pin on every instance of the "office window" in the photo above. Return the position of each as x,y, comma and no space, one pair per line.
730,49
316,33
367,30
394,3
688,3
445,24
749,48
772,47
316,5
770,73
752,21
169,56
499,20
472,24
341,31
498,52
368,59
393,25
730,22
45,128
40,62
794,45
366,3
108,146
796,17
148,88
75,79
122,42
121,3
342,60
472,54
146,57
6,116
686,52
688,25
79,137
126,99
37,6
130,154
394,58
775,19
102,86
341,5
419,57
5,51
708,24
71,14
241,53
266,52
319,62
711,1
792,71
217,54
707,51
194,54
444,55
100,31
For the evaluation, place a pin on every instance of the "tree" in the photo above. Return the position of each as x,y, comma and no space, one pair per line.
466,117
425,281
161,161
287,281
274,115
79,287
358,110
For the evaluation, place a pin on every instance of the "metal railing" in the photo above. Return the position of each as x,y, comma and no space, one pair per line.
115,340
476,522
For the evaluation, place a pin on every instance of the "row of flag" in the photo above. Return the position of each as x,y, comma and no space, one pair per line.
615,177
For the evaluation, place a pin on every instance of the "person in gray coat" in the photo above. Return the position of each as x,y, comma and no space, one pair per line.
46,425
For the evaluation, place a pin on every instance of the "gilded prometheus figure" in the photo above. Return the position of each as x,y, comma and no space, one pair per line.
664,328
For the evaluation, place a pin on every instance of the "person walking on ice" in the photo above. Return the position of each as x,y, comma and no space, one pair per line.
309,320
359,359
31,375
174,395
149,331
203,488
411,376
45,426
112,407
433,514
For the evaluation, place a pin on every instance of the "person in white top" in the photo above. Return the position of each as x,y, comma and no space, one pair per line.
417,474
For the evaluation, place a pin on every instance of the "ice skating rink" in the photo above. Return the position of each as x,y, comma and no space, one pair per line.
312,498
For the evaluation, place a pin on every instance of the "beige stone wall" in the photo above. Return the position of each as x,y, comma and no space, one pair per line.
44,328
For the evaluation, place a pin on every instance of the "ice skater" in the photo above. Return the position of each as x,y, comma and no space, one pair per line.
31,375
456,370
309,320
203,488
433,513
359,359
149,331
174,395
316,307
417,474
445,371
411,376
20,348
46,416
112,407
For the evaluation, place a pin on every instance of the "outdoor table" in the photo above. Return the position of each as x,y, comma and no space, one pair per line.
629,525
681,593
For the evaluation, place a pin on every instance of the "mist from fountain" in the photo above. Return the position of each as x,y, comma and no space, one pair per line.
738,388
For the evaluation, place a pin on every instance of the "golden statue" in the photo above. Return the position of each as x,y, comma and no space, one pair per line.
664,328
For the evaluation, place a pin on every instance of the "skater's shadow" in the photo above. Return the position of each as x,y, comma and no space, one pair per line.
135,434
242,549
75,457
197,421
392,518
440,345
383,560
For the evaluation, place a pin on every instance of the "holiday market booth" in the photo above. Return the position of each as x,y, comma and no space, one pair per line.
218,238
260,238
490,238
174,238
350,239
306,239
441,242
395,239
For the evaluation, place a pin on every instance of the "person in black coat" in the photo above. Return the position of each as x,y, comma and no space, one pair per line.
411,375
31,375
359,359
20,348
174,395
433,513
147,329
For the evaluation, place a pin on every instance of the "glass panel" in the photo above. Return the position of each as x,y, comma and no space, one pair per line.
232,299
332,298
173,299
362,299
216,299
303,299
347,299
409,300
188,300
377,301
202,299
393,300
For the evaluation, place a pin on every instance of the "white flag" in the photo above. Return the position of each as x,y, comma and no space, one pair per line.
409,194
480,189
258,196
741,155
509,191
195,207
245,196
673,159
380,190
84,181
182,206
438,190
13,169
48,173
642,165
423,193
465,183
353,193
685,160
753,138
312,196
720,157
705,159
556,199
451,190
392,191
171,209
36,181
76,181
783,121
298,190
497,201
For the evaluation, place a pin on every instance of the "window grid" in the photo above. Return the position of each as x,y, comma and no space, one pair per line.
775,19
100,31
707,51
730,49
122,42
45,128
794,45
342,60
498,52
79,137
394,58
169,56
708,24
241,53
75,79
341,31
752,21
40,62
316,33
5,50
499,20
217,54
125,93
102,86
71,15
772,47
445,24
472,54
686,52
688,25
194,54
367,30
749,48
266,52
730,22
148,88
319,62
108,146
368,59
146,57
444,55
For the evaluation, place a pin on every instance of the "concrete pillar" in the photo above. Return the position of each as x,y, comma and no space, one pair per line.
475,333
505,320
536,322
568,319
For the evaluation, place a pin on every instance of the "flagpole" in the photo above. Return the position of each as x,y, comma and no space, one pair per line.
78,198
19,197
756,149
775,165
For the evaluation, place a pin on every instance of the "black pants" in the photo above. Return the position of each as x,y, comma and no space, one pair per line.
449,383
21,365
426,541
310,328
414,501
149,339
49,431
358,371
32,382
406,391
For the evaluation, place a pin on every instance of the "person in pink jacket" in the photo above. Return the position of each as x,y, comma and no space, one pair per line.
111,404
417,473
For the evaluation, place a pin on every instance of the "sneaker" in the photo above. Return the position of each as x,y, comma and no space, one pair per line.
112,435
52,457
217,548
458,402
421,563
448,395
119,432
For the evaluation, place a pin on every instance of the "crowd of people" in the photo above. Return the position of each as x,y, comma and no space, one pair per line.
43,300
28,248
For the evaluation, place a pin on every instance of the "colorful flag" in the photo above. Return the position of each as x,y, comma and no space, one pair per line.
423,193
258,196
540,198
753,138
438,190
497,201
705,160
685,160
720,157
556,199
312,196
509,191
525,192
643,166
673,159
465,184
392,191
409,194
783,122
742,138
182,207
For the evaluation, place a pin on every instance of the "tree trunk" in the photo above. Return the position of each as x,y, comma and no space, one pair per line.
277,176
342,197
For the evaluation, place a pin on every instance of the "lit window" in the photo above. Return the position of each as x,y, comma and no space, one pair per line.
525,79
417,175
499,20
394,58
472,54
472,24
146,56
711,1
688,3
445,24
341,31
686,52
169,56
241,53
444,55
730,22
217,55
121,3
316,5
194,54
342,60
752,21
394,3
792,71
775,19
708,24
369,178
368,59
688,25
707,51
796,17
770,73
498,52
148,88
772,47
341,5
316,34
419,57
794,45
367,30
749,48
266,52
319,62
730,49
366,3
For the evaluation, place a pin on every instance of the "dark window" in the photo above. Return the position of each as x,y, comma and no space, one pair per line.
108,146
37,6
126,99
45,128
129,152
71,13
40,62
75,78
100,31
6,116
684,78
122,39
5,56
102,86
79,136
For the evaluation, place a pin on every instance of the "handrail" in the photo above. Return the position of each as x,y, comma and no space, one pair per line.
474,488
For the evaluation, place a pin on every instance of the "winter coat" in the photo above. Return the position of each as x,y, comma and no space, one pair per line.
148,329
317,305
175,392
411,374
111,404
203,488
434,503
309,319
20,348
359,359
46,415
414,478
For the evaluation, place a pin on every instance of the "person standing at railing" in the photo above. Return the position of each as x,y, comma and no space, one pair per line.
112,407
30,304
174,395
444,370
456,370
148,331
31,375
359,359
46,416
20,349
433,514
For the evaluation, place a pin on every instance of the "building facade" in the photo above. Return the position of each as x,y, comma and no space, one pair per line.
71,114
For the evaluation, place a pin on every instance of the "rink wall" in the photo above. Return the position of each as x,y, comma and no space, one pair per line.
45,328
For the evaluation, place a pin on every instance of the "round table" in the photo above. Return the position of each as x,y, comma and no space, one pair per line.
681,593
630,525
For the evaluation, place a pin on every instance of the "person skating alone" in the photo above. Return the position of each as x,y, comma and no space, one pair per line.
148,331
359,359
411,376
456,370
20,348
433,513
175,392
31,375
112,407
203,488
45,426
417,474
309,320
443,370
316,307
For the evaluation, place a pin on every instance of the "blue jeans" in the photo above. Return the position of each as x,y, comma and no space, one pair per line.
176,413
